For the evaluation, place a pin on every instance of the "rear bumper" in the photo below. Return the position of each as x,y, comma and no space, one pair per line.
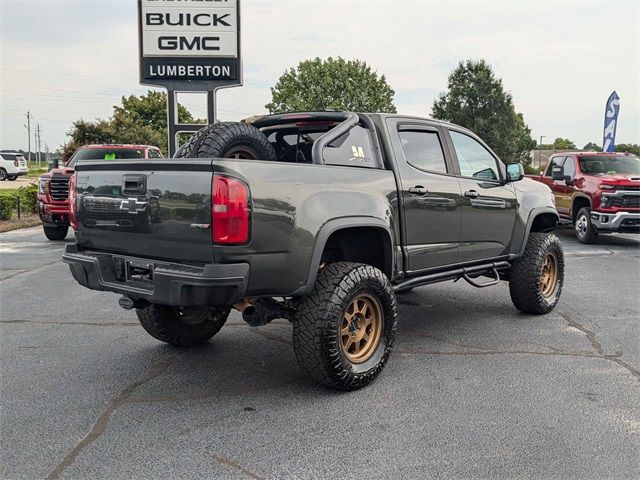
172,284
628,222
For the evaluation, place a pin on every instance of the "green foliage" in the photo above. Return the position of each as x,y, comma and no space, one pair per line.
9,201
332,84
628,147
7,205
592,146
29,198
476,99
563,144
139,120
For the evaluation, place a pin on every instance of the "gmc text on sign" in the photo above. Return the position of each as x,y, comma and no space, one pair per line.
190,41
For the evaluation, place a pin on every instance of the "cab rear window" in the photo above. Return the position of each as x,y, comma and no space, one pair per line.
107,154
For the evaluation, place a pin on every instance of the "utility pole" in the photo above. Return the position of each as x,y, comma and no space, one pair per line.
28,125
540,156
38,143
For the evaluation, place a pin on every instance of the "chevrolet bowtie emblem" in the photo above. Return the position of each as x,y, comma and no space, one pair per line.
133,206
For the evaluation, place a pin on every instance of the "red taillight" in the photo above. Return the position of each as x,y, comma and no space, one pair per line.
73,202
230,211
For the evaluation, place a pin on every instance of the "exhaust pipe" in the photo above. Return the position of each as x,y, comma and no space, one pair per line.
262,311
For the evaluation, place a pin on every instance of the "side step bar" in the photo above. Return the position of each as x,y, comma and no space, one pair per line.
457,274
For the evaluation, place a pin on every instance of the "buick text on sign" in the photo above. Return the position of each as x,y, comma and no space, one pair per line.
189,41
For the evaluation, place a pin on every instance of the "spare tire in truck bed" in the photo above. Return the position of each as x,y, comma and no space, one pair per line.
228,140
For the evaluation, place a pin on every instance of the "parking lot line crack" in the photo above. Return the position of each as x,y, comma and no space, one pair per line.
230,463
597,346
86,324
22,272
501,352
103,420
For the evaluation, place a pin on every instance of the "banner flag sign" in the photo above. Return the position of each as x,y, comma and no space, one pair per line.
190,45
611,123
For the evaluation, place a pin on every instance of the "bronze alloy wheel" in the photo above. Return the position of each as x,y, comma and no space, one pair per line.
549,275
361,328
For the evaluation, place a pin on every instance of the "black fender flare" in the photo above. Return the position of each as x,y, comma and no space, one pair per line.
345,223
573,201
533,214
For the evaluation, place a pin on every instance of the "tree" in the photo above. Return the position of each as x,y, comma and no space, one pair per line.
476,99
563,144
331,84
592,146
138,120
628,147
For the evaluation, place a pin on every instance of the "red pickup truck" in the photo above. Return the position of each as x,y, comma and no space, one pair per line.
53,187
596,192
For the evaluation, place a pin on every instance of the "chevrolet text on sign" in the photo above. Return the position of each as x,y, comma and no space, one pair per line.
183,41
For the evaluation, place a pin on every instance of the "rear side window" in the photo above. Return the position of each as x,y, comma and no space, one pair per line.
153,153
423,150
7,156
475,160
353,149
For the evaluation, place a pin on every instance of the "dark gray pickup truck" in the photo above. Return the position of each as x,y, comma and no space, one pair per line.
320,218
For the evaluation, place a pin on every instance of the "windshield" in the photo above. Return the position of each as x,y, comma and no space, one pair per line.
610,165
106,154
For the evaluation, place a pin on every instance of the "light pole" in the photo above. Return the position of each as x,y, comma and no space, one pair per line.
540,152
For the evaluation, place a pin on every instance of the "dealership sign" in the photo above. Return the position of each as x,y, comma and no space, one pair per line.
190,44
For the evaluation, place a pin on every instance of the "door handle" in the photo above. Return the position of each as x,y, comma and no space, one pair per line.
418,190
471,194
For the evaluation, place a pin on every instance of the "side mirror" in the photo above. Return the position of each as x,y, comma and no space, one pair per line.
557,173
515,172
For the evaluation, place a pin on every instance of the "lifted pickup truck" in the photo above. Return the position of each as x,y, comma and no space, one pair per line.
53,187
320,218
596,192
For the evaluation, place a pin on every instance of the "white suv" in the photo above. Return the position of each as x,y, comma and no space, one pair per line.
12,165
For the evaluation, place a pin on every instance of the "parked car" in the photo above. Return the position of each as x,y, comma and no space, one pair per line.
12,166
53,187
319,218
595,192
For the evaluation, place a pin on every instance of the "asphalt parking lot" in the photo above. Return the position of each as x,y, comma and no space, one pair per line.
473,389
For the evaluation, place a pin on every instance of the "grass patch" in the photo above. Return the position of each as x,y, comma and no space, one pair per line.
27,220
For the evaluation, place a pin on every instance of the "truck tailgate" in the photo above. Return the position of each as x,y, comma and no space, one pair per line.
156,209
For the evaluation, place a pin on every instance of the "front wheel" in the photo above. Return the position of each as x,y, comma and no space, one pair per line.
585,232
56,233
182,327
343,331
536,278
3,174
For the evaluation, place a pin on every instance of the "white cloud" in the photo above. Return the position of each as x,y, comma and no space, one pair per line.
560,60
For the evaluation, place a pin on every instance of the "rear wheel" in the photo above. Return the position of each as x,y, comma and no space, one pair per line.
12,178
343,331
585,232
3,174
536,278
182,327
228,140
56,233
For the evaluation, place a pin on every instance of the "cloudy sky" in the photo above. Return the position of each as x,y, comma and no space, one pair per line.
67,59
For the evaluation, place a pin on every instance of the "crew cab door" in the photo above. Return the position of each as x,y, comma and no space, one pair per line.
429,192
562,191
489,205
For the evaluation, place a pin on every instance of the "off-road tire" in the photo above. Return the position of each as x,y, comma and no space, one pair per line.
55,233
585,231
319,317
187,327
3,174
525,277
226,140
12,178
